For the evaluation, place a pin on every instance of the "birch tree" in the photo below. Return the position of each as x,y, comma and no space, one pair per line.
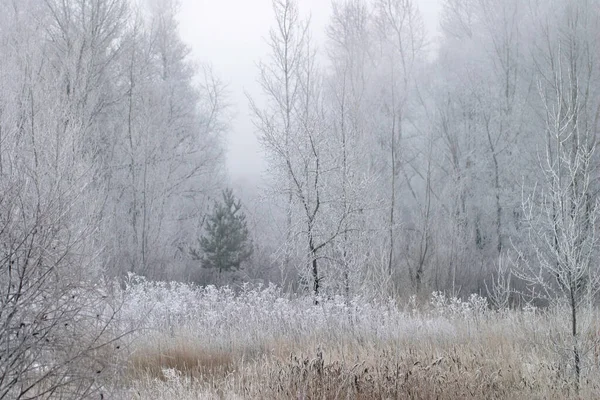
169,156
484,127
279,80
350,37
293,130
402,39
562,214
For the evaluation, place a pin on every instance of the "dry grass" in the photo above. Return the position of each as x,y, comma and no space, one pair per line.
185,356
485,364
262,346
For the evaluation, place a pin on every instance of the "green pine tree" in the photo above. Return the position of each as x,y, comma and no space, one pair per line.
226,243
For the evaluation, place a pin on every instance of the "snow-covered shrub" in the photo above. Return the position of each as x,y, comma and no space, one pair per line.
453,307
260,314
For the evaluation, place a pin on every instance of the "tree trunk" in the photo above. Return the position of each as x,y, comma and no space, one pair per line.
576,355
314,266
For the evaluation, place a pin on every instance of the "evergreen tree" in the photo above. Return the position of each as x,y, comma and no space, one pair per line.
226,244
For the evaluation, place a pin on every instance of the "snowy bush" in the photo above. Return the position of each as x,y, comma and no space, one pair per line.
258,314
453,307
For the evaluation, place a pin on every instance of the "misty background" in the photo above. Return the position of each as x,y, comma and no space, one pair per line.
231,34
326,147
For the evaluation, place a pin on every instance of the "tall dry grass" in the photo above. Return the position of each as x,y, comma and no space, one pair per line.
263,346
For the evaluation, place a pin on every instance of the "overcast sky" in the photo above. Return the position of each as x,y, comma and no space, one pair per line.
230,34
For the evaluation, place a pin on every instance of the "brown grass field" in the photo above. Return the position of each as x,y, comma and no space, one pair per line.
514,355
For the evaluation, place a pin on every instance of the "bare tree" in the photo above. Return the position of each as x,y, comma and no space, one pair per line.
293,131
59,331
484,118
349,37
279,79
169,155
57,324
562,215
402,39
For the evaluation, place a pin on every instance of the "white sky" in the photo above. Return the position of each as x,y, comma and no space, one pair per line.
230,34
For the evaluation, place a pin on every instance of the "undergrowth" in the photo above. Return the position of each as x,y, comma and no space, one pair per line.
259,343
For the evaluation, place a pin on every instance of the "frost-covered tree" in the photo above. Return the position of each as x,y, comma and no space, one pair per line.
562,213
279,79
56,96
166,156
348,91
293,131
401,48
484,125
108,153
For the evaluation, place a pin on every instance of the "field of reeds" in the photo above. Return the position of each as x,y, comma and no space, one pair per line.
258,343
